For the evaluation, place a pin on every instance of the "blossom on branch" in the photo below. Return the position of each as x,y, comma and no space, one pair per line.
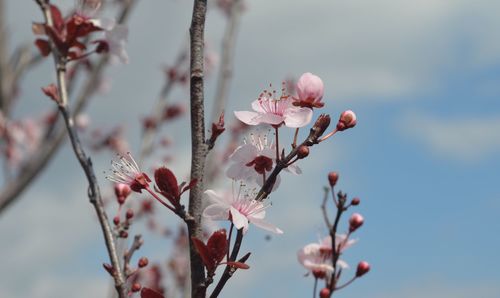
125,170
275,111
240,209
317,257
310,91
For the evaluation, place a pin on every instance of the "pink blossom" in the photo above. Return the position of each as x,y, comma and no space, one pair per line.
254,159
310,90
317,257
126,171
240,209
269,110
116,39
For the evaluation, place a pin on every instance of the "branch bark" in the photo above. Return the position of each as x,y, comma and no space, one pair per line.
199,148
52,143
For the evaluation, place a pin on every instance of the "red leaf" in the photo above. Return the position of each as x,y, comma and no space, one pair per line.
149,293
43,46
190,185
52,92
166,182
217,245
57,18
238,265
205,255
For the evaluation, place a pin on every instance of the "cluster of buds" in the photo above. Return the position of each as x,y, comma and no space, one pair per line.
323,259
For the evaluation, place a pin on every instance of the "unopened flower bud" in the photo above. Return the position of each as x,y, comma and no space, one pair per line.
355,222
319,274
302,152
143,262
363,268
333,177
355,201
116,220
122,191
130,213
321,124
347,120
136,287
123,234
324,293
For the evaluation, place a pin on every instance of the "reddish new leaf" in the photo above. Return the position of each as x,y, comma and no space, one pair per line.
190,185
205,255
149,293
43,46
57,17
52,92
217,245
238,265
166,182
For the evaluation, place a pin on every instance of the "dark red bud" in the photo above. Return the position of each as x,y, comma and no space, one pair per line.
319,274
129,214
52,91
302,152
143,262
324,293
363,268
122,191
116,220
136,287
333,177
123,234
355,222
355,201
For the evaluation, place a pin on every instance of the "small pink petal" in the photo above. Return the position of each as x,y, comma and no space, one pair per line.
298,117
265,225
245,153
238,219
249,118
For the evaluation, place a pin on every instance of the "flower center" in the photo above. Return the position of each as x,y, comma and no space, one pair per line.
261,164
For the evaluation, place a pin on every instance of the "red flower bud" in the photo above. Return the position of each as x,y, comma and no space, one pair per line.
355,222
355,201
136,287
302,152
333,177
347,120
53,92
324,293
130,213
143,262
123,234
363,268
122,191
116,220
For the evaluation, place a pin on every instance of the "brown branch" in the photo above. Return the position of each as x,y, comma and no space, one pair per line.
94,193
199,148
135,246
53,141
148,136
323,209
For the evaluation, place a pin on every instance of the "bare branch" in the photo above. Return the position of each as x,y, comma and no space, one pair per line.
199,148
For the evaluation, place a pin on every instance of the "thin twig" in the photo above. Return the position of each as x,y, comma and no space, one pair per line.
198,147
53,141
323,209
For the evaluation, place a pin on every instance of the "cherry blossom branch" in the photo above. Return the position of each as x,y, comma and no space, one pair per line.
56,135
85,162
315,133
199,148
135,246
229,270
323,209
148,136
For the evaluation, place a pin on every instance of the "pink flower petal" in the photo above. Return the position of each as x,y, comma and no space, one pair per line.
298,117
238,171
272,119
293,169
216,212
265,225
249,118
239,220
256,106
245,153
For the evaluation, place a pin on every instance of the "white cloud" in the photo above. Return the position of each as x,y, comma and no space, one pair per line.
381,48
468,139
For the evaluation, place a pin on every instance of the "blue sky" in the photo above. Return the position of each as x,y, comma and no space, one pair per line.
424,80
